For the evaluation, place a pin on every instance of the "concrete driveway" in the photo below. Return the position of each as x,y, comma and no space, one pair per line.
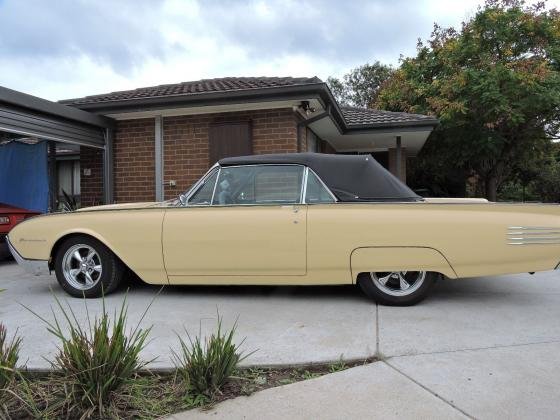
482,347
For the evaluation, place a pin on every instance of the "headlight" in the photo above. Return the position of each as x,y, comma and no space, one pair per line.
4,220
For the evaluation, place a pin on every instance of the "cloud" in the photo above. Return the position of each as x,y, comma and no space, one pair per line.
328,29
121,34
69,48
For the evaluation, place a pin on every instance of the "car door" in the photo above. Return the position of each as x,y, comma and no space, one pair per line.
243,221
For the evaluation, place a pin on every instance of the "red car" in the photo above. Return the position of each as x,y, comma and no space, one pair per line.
9,217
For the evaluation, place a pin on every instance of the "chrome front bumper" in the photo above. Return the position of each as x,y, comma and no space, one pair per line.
35,267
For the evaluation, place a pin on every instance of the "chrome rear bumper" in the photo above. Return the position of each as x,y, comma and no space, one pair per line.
35,267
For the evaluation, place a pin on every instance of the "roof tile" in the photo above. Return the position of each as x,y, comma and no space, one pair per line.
365,116
225,84
353,116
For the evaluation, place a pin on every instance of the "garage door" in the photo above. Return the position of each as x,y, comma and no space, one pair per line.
22,121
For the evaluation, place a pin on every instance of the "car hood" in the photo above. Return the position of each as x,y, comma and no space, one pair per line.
125,206
7,208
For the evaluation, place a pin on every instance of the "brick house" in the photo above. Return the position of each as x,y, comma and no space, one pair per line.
165,137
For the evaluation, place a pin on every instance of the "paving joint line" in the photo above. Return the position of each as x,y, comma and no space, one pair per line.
377,346
505,346
425,388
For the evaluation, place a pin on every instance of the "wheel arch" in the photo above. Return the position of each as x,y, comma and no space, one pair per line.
399,258
63,237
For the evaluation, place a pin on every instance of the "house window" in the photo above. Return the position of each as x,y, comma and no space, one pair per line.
229,139
68,178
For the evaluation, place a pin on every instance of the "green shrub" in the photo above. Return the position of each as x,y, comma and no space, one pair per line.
9,356
96,360
206,365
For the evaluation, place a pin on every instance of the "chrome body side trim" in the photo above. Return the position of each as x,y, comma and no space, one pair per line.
35,267
533,235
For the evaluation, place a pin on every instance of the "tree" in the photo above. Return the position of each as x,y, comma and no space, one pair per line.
494,85
360,86
547,182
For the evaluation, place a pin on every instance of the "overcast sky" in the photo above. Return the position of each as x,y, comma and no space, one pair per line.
70,48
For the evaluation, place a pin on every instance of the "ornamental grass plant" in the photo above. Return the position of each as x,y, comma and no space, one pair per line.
206,364
95,361
9,356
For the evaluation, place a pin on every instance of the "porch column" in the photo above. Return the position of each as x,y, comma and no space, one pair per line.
158,135
108,168
398,157
397,160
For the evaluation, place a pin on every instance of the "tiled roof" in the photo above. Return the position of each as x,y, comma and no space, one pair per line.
225,84
365,116
353,117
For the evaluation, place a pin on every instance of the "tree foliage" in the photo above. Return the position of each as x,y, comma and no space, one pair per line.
360,86
495,87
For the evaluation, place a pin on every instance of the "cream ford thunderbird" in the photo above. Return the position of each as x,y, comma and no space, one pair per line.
292,219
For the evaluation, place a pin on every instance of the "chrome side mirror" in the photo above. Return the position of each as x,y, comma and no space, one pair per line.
183,199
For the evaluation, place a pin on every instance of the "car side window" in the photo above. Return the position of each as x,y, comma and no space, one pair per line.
259,185
315,191
203,196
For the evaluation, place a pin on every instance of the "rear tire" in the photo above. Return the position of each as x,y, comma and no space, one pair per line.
387,288
85,267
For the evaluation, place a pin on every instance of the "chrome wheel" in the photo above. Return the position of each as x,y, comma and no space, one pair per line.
398,283
82,267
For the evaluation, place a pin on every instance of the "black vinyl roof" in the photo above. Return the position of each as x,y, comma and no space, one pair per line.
350,177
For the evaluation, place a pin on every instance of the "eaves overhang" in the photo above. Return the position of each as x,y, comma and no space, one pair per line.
318,91
54,109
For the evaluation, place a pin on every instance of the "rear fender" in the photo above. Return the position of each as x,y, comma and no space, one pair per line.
369,259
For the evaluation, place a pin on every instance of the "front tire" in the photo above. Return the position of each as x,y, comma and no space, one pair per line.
85,267
397,288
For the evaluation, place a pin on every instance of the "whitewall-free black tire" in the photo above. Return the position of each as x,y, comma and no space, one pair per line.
397,288
85,267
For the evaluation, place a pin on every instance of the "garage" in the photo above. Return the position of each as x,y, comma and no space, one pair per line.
40,147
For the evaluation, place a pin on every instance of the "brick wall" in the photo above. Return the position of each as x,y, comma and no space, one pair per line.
186,141
135,160
91,186
185,151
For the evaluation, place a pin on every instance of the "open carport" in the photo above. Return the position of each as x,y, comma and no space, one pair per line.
68,133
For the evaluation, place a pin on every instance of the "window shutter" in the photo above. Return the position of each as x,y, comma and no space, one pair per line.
229,139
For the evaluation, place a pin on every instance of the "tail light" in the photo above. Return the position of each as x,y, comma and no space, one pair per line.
4,220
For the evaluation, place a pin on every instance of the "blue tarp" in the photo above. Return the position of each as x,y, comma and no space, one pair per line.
24,179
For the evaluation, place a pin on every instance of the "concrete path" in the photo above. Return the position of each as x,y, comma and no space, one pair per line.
375,390
517,382
479,348
286,325
483,347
